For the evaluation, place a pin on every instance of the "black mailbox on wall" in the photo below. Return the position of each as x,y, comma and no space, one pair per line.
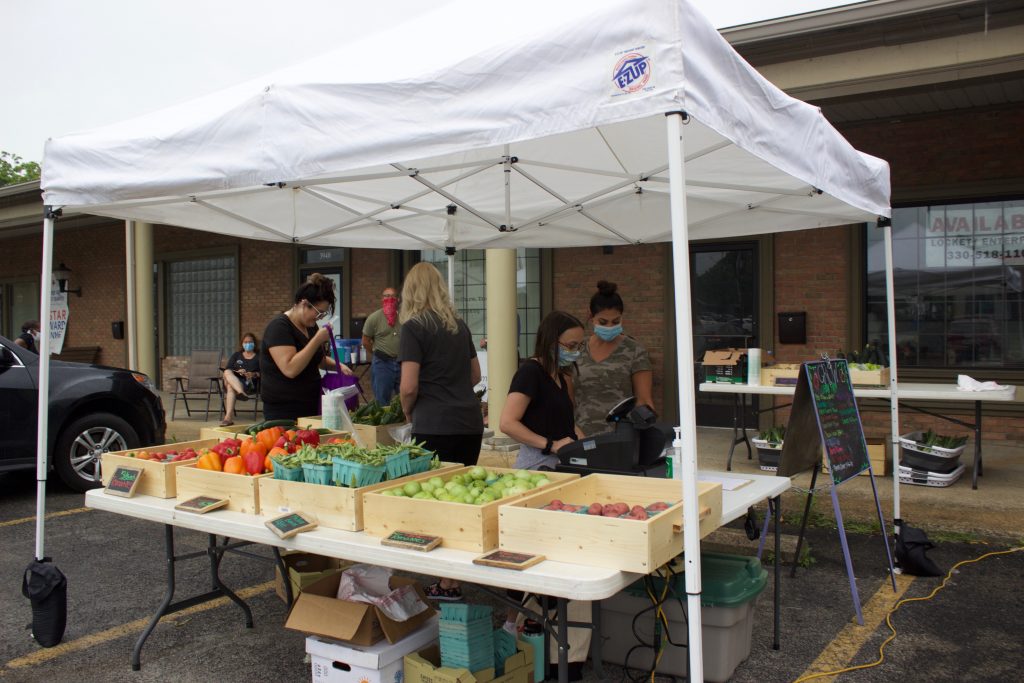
793,328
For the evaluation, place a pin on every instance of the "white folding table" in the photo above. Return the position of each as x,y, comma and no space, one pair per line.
560,580
906,391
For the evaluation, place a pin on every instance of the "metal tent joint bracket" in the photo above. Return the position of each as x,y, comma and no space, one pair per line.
395,206
884,222
682,115
451,209
52,213
279,184
506,228
449,251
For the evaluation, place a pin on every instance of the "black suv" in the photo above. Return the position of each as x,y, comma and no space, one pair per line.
93,409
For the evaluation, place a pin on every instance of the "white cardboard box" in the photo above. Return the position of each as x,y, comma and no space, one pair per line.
336,662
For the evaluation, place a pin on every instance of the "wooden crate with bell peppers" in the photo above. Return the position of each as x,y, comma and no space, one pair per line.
232,467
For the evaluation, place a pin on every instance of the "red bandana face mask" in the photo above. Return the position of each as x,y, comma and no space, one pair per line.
390,306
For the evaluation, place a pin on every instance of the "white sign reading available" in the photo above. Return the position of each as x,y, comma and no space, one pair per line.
58,317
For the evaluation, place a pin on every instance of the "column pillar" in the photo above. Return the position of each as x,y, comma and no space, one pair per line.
145,333
502,337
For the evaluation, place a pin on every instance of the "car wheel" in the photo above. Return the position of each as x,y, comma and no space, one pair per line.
80,445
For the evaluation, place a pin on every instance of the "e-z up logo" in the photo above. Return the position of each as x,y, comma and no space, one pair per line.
632,72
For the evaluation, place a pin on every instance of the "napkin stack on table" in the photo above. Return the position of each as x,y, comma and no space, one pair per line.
965,383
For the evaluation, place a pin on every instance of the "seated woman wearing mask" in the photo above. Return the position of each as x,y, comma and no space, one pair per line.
240,377
613,366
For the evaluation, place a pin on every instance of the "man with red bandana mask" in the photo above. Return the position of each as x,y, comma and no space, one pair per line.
380,337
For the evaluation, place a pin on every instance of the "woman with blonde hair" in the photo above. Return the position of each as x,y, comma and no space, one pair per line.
439,369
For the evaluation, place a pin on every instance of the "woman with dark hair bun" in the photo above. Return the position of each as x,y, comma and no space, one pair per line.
538,411
292,352
613,366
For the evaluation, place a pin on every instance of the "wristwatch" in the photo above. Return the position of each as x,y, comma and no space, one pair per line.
547,447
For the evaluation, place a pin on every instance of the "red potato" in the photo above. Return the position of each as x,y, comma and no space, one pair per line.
620,508
556,504
595,509
608,510
610,513
659,506
638,512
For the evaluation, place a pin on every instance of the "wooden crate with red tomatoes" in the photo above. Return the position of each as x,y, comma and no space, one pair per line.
157,463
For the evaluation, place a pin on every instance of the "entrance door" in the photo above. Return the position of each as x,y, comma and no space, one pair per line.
724,284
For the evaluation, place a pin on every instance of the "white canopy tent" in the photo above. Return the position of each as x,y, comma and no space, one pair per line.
543,124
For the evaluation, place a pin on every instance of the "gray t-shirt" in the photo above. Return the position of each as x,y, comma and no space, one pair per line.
599,386
445,403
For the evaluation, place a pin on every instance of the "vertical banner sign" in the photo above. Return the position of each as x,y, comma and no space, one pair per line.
58,317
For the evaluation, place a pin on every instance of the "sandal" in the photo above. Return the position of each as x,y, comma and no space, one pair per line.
226,423
435,592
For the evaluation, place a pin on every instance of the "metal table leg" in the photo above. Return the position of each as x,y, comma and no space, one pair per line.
739,428
977,445
214,553
778,573
562,612
596,639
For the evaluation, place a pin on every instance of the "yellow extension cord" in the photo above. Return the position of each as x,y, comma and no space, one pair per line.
888,617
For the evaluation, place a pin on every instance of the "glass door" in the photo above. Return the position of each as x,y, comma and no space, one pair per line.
724,282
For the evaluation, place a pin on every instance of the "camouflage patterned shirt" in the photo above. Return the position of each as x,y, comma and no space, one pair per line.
600,386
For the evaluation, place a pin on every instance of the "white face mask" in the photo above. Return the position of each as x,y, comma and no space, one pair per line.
35,334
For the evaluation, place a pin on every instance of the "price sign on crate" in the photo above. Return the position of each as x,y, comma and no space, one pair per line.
291,523
124,481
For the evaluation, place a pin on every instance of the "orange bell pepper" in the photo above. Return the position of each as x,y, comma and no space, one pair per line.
277,451
268,464
268,437
209,461
290,435
234,465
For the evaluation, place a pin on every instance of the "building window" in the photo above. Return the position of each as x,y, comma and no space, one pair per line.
471,291
959,276
202,304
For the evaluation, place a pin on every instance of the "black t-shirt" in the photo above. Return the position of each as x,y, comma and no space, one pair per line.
445,403
274,386
239,362
549,413
30,343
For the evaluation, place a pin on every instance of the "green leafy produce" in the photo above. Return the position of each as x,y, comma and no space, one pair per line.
775,435
874,356
930,438
373,413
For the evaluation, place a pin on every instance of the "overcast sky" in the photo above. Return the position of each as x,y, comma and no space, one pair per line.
71,66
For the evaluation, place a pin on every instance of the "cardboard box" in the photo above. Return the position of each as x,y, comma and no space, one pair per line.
334,662
159,479
373,435
425,667
305,569
727,366
318,612
460,525
629,545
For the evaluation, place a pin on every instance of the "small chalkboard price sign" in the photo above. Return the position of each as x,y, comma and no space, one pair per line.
508,560
291,523
201,504
124,481
411,541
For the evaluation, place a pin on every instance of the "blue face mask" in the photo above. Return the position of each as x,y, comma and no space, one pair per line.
608,333
566,358
249,346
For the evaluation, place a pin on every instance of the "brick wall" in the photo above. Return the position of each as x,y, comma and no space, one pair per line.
370,268
644,282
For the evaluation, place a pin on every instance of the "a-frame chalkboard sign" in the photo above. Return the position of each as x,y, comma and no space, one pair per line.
825,416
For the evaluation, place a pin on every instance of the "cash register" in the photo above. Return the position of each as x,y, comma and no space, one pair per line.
635,446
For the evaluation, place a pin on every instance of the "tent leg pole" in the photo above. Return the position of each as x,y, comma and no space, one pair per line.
42,435
684,363
894,408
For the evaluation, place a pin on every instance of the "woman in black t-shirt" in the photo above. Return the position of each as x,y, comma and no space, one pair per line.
293,352
240,377
538,411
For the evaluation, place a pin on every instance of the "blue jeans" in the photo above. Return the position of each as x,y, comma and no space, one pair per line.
386,375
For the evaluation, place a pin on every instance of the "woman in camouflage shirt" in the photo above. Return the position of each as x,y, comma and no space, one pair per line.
613,366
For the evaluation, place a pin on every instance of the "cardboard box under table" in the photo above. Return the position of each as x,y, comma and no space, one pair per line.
425,667
305,569
460,525
241,490
730,585
159,479
727,366
878,454
335,507
335,662
626,544
319,612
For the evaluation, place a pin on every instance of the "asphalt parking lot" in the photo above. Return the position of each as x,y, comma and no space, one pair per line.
116,573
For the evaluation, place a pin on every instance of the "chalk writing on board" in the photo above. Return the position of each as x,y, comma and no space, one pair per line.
838,418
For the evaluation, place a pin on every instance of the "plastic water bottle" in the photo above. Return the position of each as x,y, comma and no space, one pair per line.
533,634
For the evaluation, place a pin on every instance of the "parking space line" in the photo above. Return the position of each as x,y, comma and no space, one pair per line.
848,642
41,656
62,513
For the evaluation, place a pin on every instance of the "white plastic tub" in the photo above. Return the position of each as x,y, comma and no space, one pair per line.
909,475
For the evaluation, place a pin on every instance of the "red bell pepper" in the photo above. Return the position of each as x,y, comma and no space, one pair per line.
253,462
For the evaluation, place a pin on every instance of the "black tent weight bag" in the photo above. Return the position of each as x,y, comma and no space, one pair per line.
47,588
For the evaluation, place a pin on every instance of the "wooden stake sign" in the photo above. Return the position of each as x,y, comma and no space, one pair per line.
508,560
290,524
125,481
411,541
201,504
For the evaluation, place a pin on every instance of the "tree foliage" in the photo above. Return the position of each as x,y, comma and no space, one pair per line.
13,169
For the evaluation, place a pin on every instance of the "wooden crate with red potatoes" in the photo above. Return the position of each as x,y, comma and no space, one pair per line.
460,525
535,524
158,476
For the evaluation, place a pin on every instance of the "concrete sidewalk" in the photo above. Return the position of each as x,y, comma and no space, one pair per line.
995,509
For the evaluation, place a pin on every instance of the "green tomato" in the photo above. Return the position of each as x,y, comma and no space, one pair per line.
423,495
444,496
542,481
485,498
466,498
478,473
458,479
436,482
387,492
427,486
457,490
412,488
522,474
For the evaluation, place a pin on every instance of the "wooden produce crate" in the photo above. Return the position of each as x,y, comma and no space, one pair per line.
158,479
242,491
238,431
335,507
460,525
314,422
372,435
879,378
780,374
878,454
624,544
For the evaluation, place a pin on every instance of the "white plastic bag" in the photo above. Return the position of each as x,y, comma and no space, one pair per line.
372,585
401,433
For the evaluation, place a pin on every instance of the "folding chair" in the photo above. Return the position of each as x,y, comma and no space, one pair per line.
203,380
